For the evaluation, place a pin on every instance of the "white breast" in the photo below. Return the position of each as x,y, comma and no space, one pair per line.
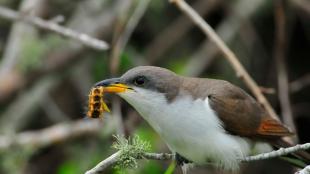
191,128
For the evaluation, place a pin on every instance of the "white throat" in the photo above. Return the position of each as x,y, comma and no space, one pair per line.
190,128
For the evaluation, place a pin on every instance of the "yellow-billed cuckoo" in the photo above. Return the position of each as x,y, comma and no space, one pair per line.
202,120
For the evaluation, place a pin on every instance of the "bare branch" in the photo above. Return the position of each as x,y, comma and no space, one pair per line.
267,90
277,153
111,160
228,54
54,134
51,26
157,156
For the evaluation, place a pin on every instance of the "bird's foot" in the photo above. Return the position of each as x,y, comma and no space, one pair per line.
181,160
184,163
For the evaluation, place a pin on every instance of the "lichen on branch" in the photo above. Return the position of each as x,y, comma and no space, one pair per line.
131,149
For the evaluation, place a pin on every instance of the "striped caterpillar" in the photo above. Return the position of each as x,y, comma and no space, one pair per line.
96,105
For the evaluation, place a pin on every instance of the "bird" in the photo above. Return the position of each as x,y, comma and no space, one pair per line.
202,120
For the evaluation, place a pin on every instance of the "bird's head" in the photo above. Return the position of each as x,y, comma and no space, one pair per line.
144,86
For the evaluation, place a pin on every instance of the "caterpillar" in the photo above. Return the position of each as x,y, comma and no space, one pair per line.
96,104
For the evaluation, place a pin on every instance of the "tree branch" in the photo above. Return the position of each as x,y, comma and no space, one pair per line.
228,54
51,26
113,159
110,161
277,153
54,134
158,156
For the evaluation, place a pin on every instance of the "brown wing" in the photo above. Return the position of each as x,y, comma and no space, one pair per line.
242,115
238,111
244,118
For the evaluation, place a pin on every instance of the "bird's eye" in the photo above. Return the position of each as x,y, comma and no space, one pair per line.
139,81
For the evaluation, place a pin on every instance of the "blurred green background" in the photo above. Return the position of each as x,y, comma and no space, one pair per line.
45,78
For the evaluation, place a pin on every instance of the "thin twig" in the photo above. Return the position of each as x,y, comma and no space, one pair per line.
228,54
280,46
111,160
51,26
157,156
277,153
267,90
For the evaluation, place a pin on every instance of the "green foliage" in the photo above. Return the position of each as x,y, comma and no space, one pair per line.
68,167
131,150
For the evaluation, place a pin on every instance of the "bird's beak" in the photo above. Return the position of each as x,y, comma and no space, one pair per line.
113,85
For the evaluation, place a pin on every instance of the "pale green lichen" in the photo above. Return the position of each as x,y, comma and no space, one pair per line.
131,150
